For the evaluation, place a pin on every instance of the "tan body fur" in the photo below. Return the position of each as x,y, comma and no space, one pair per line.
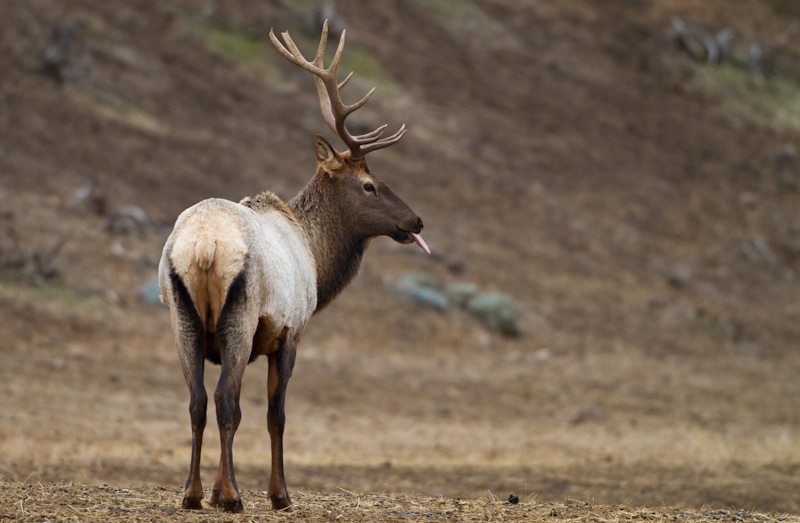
210,245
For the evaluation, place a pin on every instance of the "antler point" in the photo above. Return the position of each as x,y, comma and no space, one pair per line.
334,111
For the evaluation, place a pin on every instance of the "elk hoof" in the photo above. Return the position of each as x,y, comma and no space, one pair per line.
233,505
281,502
190,503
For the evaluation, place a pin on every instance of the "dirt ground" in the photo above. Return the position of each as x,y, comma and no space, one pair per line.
103,503
641,206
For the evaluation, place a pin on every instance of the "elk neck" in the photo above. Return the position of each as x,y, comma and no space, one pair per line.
337,252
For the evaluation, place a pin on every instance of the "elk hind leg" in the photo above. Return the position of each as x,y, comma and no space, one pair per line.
235,337
190,337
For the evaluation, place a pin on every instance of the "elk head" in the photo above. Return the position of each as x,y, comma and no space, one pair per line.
370,207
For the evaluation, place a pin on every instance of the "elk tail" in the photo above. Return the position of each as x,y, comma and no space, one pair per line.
204,251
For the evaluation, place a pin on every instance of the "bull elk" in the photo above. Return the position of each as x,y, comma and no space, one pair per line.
242,279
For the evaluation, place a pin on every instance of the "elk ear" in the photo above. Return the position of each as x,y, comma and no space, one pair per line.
328,158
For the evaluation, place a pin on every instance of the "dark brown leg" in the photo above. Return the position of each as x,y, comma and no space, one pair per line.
281,364
197,410
225,493
235,343
190,339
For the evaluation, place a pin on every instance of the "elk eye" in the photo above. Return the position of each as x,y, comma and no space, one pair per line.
369,187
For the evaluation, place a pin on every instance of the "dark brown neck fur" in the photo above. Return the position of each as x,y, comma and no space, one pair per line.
337,254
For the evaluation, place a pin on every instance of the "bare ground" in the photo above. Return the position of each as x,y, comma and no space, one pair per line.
65,502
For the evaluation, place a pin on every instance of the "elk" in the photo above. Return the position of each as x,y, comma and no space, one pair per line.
242,280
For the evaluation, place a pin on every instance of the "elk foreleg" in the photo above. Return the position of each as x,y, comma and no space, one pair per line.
281,364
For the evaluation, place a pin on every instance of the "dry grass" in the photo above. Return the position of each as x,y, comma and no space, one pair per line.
71,502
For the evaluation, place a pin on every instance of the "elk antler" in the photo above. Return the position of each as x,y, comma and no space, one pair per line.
334,111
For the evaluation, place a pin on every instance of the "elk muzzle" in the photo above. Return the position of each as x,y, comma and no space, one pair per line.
412,235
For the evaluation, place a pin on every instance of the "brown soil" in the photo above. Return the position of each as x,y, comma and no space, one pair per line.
642,208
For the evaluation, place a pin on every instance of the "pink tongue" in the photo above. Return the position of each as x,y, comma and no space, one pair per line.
419,241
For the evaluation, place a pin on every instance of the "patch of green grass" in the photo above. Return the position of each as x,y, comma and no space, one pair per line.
364,64
240,48
776,98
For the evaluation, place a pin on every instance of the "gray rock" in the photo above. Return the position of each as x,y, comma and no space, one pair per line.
420,288
150,292
460,294
495,310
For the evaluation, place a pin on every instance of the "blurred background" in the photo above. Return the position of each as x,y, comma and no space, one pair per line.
611,191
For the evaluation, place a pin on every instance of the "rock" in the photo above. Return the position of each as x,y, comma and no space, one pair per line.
460,294
426,297
418,279
495,310
420,288
150,292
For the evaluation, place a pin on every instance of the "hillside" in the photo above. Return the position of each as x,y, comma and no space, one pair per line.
639,204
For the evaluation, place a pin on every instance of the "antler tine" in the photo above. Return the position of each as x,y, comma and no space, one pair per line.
337,55
385,142
316,68
319,60
372,135
334,110
280,47
344,82
347,109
